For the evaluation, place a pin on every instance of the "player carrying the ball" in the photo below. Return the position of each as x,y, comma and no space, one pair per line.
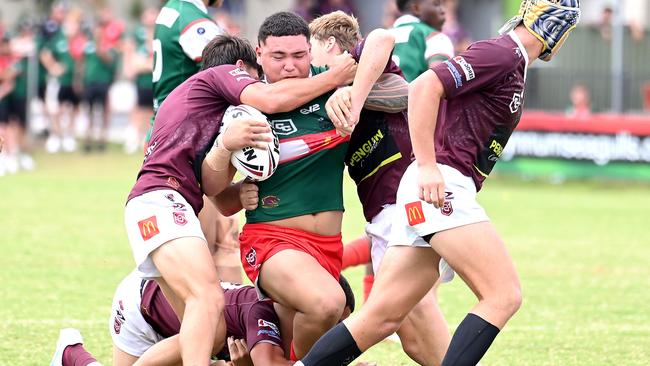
161,210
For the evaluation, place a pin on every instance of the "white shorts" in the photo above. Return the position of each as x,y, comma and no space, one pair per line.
130,332
415,219
379,229
154,218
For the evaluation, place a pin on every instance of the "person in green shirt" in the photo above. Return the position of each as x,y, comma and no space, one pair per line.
418,40
61,63
138,65
21,48
99,69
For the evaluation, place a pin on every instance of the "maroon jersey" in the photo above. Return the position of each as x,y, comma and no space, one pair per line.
379,153
246,316
484,89
184,130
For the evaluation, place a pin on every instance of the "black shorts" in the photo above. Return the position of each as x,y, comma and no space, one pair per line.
67,94
96,93
18,110
145,97
42,88
4,111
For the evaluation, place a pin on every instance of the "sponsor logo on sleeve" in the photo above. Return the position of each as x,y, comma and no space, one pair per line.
516,102
414,213
148,228
466,67
266,324
173,182
458,79
200,30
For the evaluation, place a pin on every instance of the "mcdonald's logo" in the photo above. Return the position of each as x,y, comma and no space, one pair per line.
414,213
148,228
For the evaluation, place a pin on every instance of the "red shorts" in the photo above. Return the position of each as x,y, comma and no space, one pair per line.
260,242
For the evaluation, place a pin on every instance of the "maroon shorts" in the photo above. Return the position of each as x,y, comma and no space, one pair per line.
259,242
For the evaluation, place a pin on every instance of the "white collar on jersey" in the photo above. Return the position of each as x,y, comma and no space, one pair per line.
515,38
199,4
405,19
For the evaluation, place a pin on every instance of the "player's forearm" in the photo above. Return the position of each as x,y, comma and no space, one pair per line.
228,202
289,94
214,182
376,53
425,93
164,353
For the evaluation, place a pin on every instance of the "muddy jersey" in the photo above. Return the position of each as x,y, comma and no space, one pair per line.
309,178
246,317
378,154
183,29
184,130
484,88
417,45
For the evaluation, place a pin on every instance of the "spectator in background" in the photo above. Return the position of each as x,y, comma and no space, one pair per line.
453,29
580,107
22,48
100,60
605,23
60,59
6,86
391,13
304,8
309,9
111,29
138,65
419,43
645,90
328,6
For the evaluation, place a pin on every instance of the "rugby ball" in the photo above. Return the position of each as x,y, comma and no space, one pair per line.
254,163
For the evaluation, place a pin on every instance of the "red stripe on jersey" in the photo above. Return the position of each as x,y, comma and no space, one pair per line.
298,147
187,27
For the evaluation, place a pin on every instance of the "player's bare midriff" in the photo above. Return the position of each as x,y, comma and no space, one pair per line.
326,223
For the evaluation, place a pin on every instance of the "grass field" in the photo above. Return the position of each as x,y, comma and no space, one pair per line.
582,250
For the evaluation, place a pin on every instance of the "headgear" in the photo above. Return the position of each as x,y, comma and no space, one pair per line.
550,21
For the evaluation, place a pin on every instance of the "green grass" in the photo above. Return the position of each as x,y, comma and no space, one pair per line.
582,250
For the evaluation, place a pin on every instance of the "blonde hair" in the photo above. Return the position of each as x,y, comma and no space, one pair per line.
343,27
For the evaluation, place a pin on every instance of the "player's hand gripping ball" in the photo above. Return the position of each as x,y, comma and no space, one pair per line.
256,164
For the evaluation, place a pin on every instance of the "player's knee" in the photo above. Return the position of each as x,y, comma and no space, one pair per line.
508,301
329,308
415,350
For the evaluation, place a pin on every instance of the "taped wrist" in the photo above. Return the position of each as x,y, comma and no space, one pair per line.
218,158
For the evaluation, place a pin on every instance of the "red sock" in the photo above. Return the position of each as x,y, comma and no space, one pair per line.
292,355
356,252
77,356
368,281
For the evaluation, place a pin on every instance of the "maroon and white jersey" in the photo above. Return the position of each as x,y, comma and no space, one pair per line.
185,128
379,152
484,88
246,316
